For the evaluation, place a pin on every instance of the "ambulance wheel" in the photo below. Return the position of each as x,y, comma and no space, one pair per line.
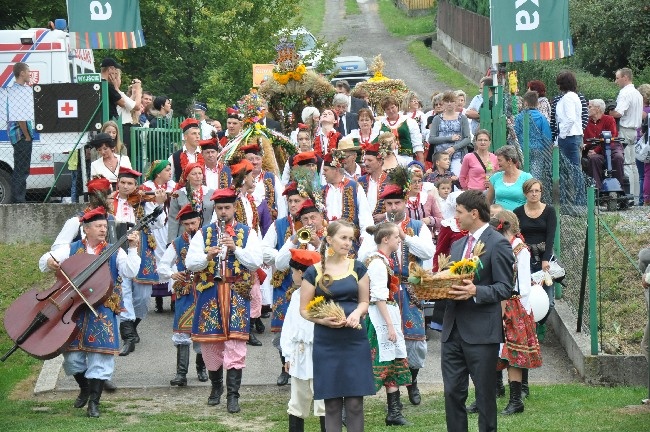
5,187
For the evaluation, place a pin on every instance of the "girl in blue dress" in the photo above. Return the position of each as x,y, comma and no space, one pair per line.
341,356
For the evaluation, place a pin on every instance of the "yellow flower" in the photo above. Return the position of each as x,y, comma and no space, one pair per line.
315,302
463,266
301,69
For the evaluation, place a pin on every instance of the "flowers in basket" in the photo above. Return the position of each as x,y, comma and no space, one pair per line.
448,268
318,308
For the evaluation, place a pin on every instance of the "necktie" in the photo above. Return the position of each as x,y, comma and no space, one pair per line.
470,245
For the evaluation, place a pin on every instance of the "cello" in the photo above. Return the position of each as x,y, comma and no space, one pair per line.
42,323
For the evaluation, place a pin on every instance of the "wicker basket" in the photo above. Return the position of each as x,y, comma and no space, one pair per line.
435,286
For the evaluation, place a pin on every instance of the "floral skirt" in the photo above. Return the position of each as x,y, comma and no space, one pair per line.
521,348
392,373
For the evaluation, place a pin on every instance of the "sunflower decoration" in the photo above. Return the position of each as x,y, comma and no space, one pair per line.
287,63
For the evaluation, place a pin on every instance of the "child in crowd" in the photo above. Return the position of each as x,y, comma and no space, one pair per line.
297,342
441,169
495,209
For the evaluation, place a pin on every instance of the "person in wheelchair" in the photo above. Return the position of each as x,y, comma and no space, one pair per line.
594,153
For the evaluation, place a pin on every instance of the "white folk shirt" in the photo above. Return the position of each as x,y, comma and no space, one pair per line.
378,275
259,193
373,192
421,245
127,265
297,340
191,157
212,177
334,205
629,103
250,256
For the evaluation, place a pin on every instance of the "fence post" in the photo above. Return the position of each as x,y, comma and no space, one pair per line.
526,144
556,204
105,102
591,244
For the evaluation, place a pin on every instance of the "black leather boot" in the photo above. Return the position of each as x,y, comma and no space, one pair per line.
96,386
296,424
394,416
172,305
413,390
201,371
233,382
525,391
216,378
159,305
182,364
322,424
136,336
259,326
515,405
283,378
127,334
109,386
84,390
252,340
501,390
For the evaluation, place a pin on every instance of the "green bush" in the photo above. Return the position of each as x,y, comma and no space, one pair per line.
546,71
481,7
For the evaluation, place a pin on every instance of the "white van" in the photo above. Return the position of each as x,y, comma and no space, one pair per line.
51,59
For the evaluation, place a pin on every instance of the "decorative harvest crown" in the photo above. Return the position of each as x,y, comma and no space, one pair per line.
287,63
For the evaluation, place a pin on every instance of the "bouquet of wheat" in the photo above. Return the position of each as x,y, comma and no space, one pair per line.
318,308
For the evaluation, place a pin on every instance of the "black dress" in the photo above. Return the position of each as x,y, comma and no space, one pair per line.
341,356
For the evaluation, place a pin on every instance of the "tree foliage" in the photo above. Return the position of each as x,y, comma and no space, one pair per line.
610,34
195,49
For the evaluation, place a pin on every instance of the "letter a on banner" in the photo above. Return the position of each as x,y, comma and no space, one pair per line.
106,24
530,30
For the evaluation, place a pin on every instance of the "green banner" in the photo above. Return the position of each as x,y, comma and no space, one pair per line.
106,24
530,30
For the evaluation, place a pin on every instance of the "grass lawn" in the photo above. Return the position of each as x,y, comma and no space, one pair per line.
399,24
576,408
444,73
311,15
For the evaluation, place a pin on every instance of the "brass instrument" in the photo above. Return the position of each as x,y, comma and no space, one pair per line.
304,234
220,258
390,216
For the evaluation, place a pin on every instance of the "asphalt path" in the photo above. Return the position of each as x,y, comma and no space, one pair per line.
366,36
153,363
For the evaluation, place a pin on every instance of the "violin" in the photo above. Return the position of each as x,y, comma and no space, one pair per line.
140,196
43,323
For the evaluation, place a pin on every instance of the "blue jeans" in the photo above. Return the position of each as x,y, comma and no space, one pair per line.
570,150
22,162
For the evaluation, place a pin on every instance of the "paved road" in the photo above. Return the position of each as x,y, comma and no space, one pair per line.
152,365
366,36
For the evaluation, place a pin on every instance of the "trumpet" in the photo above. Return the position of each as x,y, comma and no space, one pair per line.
304,234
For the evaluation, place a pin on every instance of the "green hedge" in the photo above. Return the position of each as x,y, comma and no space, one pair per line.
546,71
481,7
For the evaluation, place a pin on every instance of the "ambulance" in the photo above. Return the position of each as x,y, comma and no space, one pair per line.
51,59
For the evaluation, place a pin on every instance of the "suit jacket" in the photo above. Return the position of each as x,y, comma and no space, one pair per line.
479,320
356,104
351,123
174,227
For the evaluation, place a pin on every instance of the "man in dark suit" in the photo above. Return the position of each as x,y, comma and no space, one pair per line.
473,327
354,104
347,121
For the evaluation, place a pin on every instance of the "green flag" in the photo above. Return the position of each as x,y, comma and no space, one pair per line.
530,30
106,24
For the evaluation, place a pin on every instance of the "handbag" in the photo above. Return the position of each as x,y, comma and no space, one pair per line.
556,271
642,149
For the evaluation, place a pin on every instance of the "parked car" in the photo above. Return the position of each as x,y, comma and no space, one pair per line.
353,69
306,47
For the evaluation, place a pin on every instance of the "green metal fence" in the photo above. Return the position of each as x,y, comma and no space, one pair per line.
150,144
